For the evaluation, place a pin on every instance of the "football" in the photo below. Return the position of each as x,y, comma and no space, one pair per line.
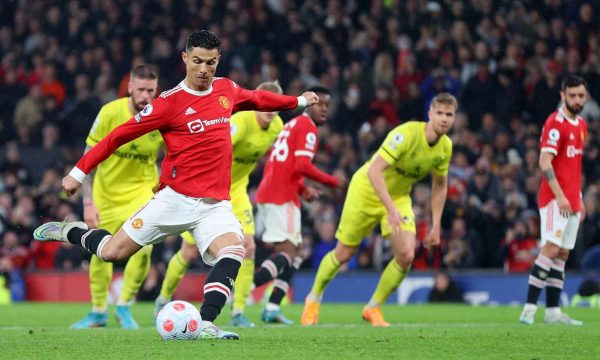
179,320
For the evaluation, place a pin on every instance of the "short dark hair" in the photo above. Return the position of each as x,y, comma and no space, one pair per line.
203,39
145,71
318,89
573,81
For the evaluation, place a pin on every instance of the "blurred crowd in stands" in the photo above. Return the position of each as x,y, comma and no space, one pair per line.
383,61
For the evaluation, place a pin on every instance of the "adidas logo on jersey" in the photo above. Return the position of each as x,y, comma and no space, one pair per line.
190,111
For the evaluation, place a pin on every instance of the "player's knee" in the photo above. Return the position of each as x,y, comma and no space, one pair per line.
563,254
344,253
113,254
189,253
551,250
250,247
405,258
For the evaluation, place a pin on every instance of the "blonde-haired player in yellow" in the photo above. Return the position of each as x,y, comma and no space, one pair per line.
121,185
252,134
380,193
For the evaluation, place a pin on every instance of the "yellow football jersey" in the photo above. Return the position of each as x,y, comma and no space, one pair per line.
410,157
250,142
127,177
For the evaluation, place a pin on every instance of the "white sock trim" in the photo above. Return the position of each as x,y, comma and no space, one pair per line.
553,311
272,307
271,268
235,252
101,246
283,285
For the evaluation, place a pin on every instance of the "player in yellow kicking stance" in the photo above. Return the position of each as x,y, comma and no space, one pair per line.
121,185
252,134
380,193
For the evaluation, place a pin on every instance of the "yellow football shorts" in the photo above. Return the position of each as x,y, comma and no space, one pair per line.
360,216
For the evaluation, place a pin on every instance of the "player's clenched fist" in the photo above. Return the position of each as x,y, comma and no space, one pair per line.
70,185
311,98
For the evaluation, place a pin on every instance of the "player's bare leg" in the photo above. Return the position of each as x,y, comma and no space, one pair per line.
403,247
328,268
97,241
243,285
272,311
229,252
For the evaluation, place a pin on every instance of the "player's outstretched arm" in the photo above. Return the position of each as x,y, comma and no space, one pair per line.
375,174
262,100
548,171
121,135
439,191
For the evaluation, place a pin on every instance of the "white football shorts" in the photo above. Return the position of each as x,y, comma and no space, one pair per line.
558,229
281,222
170,212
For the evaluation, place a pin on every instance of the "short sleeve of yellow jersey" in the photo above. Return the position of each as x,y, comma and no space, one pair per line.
100,128
239,126
395,145
441,169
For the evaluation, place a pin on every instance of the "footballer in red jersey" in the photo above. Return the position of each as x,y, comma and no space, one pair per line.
193,119
560,202
278,199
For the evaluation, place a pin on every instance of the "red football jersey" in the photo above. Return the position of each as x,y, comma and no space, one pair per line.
196,131
289,161
565,139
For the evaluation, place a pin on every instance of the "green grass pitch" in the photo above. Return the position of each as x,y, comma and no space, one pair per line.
39,331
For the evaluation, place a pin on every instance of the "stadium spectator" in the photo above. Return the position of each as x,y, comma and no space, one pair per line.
28,110
326,240
12,249
478,94
70,257
461,249
445,290
520,249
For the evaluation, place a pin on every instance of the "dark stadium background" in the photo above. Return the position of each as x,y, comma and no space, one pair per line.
383,60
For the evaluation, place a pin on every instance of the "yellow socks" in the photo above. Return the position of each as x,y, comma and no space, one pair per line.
175,272
391,277
243,285
100,277
136,270
327,270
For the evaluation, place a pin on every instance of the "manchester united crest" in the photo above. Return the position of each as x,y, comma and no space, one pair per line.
224,102
137,223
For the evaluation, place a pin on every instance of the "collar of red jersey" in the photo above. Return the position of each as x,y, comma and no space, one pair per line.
573,122
195,92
